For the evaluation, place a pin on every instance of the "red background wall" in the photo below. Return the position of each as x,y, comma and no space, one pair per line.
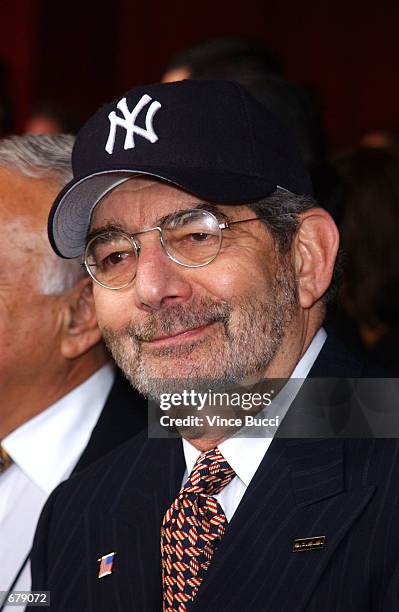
82,53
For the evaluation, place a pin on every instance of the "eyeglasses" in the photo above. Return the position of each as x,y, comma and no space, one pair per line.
191,238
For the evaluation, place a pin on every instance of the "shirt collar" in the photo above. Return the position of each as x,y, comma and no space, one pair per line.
46,448
232,450
244,455
307,360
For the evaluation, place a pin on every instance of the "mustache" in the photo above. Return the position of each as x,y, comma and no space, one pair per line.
179,318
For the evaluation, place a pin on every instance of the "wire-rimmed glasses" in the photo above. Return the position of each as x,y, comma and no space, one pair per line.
191,238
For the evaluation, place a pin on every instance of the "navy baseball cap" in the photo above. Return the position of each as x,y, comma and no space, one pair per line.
209,138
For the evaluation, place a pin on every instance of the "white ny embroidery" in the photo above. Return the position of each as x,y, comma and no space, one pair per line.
128,123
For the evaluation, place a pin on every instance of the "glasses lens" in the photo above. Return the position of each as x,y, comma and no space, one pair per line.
193,237
111,260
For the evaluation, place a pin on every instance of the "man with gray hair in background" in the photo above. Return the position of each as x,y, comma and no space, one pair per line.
61,404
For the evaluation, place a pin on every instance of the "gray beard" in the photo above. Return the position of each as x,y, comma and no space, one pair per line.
249,333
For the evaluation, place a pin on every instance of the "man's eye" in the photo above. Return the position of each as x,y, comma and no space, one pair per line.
199,237
113,259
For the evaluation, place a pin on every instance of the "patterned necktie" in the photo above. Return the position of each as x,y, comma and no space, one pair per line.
5,460
192,529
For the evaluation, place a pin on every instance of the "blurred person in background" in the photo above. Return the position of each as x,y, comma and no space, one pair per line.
62,405
6,112
49,118
380,139
369,227
238,53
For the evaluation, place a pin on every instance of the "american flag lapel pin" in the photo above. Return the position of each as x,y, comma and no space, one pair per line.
106,564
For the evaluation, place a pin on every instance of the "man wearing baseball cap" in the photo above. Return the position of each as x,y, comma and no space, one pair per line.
211,262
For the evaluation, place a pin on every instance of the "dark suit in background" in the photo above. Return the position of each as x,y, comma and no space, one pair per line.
123,416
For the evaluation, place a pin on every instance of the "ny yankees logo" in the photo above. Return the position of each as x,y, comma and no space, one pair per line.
128,123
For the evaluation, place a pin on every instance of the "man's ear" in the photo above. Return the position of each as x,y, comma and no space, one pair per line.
80,330
315,250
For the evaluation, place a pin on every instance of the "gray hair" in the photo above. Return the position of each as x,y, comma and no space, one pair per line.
280,213
45,156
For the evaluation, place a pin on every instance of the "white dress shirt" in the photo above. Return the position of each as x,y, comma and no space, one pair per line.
45,450
245,454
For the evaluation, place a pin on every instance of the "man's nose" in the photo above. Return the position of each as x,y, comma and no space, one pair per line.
159,281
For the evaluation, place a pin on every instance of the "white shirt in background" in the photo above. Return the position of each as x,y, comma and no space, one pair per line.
45,450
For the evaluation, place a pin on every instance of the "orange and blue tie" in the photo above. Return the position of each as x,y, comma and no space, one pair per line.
192,529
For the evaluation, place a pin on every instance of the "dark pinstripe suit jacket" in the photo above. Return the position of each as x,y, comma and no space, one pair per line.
346,490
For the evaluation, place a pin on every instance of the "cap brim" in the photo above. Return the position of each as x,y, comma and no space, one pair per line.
70,215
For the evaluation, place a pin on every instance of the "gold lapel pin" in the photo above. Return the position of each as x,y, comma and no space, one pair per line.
314,543
106,564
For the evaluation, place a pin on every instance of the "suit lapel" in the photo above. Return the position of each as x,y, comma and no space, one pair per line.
131,528
298,492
